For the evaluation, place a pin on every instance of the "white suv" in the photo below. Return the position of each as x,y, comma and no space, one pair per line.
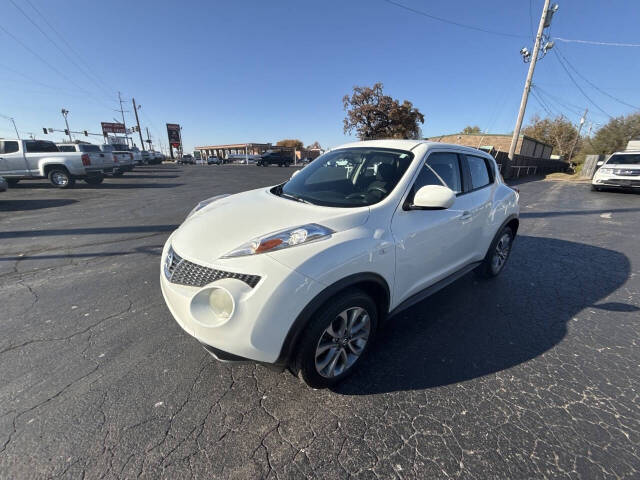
621,170
303,274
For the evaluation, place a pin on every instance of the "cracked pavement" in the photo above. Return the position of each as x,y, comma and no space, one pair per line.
532,375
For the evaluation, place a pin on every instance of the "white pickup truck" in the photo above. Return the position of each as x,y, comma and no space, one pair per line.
35,159
107,158
122,157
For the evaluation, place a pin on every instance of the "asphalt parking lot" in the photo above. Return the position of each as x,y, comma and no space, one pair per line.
534,374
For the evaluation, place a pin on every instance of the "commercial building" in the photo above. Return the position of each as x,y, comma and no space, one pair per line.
490,142
223,151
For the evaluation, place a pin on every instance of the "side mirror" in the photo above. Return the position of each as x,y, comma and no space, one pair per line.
295,173
600,163
433,197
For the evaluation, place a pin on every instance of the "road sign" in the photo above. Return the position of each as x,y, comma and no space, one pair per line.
110,127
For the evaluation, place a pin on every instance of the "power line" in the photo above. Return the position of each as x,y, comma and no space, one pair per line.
55,44
576,83
35,54
595,86
593,42
77,55
556,101
452,22
542,103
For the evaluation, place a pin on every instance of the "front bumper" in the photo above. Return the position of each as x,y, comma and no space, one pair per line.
616,182
262,316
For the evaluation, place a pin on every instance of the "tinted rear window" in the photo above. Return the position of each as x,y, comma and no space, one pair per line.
67,148
40,146
89,148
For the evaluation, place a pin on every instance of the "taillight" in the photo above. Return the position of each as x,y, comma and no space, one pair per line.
86,161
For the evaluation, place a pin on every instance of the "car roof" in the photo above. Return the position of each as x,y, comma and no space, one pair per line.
409,145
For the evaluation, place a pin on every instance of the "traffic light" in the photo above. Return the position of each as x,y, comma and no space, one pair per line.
86,134
66,131
45,130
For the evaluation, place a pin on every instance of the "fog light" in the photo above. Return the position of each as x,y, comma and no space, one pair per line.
221,303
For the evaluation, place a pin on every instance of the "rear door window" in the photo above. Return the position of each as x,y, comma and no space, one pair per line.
9,147
479,172
89,148
66,148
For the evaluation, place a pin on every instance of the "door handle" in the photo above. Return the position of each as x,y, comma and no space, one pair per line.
466,215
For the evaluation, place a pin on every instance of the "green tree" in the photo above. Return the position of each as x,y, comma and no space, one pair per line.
291,143
558,132
372,114
470,130
315,145
615,135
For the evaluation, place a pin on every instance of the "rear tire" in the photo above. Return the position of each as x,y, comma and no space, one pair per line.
60,178
498,254
118,173
12,181
335,339
94,180
595,189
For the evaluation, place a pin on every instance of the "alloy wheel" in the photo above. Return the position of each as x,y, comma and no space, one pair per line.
501,253
59,178
342,342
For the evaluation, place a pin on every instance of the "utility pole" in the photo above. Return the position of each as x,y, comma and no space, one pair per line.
546,12
148,138
64,114
123,122
582,120
135,109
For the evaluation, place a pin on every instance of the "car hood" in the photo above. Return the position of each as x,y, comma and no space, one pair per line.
229,222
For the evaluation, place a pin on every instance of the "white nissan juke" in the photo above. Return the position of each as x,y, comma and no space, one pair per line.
303,274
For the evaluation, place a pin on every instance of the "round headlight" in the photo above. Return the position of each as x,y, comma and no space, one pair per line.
221,303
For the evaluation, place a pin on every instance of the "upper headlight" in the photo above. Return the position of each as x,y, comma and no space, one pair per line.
281,239
206,202
606,170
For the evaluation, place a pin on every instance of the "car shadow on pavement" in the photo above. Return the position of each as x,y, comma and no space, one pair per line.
88,231
135,175
23,205
475,328
562,213
117,185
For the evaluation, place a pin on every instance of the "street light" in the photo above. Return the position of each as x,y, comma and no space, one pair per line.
64,114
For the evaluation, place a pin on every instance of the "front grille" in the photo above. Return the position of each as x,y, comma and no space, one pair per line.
183,272
627,172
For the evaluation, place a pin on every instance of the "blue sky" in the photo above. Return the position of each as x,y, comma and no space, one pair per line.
262,71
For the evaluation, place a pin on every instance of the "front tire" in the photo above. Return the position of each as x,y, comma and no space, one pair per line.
12,182
595,189
60,178
336,338
498,254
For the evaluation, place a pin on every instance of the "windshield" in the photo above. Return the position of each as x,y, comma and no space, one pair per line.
352,177
628,159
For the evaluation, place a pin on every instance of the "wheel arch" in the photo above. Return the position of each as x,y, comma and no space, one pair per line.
371,283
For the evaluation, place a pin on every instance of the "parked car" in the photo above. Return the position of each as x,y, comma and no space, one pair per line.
304,273
282,159
621,170
213,160
146,157
35,159
107,159
3,185
137,155
122,158
156,157
186,159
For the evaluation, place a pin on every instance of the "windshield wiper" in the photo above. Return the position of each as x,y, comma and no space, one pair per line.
295,198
